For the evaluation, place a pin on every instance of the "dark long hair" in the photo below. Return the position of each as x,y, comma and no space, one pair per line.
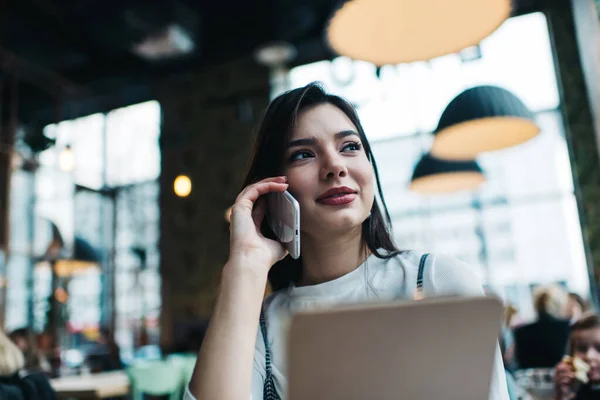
275,130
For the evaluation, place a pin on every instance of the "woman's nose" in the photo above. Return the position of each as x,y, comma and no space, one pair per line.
333,167
591,355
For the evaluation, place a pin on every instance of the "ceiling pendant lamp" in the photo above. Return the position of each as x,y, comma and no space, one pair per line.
480,119
435,176
401,31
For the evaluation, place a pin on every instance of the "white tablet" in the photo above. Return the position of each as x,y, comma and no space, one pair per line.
430,349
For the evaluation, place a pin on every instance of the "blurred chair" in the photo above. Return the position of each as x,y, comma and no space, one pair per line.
185,362
156,378
150,352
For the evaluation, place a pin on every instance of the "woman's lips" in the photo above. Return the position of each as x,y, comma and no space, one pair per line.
338,199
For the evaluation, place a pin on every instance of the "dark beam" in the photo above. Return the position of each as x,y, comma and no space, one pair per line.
578,96
49,19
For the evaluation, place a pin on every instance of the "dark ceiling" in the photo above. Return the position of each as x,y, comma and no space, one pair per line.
62,48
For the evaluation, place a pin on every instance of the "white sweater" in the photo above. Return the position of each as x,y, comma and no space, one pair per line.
374,280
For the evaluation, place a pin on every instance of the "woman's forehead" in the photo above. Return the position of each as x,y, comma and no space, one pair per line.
587,334
322,120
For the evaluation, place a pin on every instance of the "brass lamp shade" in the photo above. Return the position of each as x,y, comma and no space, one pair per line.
84,258
435,176
480,119
401,31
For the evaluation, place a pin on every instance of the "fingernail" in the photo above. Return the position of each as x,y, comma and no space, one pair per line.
285,178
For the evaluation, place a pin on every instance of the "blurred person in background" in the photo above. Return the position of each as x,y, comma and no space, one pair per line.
543,343
105,354
572,379
51,351
26,341
507,342
15,382
515,391
577,307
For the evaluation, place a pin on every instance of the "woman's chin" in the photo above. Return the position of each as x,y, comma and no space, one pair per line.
339,224
594,375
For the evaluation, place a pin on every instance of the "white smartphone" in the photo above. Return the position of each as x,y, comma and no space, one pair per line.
283,216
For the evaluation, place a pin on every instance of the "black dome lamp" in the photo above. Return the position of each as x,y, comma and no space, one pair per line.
436,176
480,119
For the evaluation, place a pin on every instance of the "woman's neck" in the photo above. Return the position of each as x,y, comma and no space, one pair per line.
326,260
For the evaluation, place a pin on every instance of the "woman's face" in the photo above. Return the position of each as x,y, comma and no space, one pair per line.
328,172
587,347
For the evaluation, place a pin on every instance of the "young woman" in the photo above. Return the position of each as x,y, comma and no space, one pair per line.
312,144
584,345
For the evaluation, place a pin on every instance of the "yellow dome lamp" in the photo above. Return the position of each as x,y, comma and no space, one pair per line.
435,176
402,31
66,159
482,119
182,186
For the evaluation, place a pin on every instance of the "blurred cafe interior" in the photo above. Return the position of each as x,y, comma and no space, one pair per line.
126,129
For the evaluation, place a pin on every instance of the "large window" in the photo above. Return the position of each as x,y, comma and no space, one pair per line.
109,199
522,226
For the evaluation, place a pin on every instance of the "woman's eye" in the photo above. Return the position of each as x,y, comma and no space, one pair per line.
581,349
300,155
352,146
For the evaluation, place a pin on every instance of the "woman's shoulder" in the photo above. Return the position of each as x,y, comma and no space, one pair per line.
442,274
451,276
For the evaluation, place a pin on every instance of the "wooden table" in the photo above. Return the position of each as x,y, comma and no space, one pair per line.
92,387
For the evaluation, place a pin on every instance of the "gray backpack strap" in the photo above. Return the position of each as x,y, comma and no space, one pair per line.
269,391
419,291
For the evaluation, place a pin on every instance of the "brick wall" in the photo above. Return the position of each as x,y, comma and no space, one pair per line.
207,132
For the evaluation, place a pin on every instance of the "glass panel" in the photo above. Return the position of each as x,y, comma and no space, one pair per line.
18,262
532,169
18,267
137,260
133,150
86,137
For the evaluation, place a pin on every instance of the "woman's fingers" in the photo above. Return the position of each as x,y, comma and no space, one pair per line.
250,195
247,215
280,251
259,211
277,179
259,187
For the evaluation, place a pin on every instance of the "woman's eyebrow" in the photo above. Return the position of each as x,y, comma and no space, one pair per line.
301,142
346,133
313,141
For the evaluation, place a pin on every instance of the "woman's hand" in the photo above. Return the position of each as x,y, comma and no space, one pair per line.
246,241
224,366
564,375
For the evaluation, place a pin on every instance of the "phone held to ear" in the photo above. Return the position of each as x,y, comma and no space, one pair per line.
283,216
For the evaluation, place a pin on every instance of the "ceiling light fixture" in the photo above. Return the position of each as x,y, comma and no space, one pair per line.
401,31
274,54
480,119
66,159
182,186
435,176
173,41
